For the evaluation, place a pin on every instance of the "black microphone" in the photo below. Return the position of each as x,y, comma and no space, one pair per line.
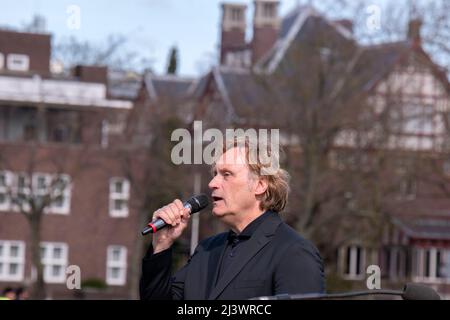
194,204
411,291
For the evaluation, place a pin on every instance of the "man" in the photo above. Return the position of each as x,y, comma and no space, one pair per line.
22,293
259,256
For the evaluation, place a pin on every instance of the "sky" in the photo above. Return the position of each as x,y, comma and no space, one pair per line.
151,27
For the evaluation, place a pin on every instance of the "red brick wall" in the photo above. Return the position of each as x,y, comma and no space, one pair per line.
36,46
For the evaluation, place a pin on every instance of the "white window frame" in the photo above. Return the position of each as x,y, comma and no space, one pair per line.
35,191
420,265
48,261
121,264
7,260
2,61
113,195
6,190
66,194
352,275
24,64
25,190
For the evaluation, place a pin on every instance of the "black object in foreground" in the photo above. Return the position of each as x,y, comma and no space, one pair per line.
411,291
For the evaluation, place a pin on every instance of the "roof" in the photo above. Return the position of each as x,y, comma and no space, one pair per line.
168,87
295,23
423,218
431,228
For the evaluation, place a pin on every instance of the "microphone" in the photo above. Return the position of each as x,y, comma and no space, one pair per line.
194,204
411,291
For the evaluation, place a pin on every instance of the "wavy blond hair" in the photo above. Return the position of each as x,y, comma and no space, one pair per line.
275,198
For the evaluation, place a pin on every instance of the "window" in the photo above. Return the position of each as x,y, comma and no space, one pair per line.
395,262
353,262
15,191
236,14
5,190
21,192
61,194
12,260
119,193
2,61
54,256
18,62
431,264
116,265
269,10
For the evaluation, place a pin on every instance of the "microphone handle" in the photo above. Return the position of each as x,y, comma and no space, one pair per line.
158,224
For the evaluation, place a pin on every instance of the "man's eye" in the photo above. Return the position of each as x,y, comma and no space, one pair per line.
226,174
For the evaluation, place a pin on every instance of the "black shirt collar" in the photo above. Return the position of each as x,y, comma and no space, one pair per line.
249,229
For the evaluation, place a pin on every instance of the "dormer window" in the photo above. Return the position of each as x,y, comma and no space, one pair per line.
18,62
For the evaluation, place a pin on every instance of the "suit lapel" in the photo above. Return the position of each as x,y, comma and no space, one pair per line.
214,260
249,249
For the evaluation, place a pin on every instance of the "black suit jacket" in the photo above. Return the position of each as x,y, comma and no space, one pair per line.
275,260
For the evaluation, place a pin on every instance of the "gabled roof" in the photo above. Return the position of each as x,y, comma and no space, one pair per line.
242,92
168,87
375,62
423,218
430,228
291,26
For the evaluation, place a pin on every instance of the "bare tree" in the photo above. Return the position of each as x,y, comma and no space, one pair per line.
34,193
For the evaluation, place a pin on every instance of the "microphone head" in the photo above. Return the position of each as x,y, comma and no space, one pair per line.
415,291
198,202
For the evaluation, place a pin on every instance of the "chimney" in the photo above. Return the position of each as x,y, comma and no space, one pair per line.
95,74
25,52
414,28
233,29
266,24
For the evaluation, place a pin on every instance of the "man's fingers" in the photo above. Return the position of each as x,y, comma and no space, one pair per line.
173,214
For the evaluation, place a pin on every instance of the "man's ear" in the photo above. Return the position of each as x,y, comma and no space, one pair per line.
261,186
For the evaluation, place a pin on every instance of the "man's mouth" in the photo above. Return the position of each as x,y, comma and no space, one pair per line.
215,198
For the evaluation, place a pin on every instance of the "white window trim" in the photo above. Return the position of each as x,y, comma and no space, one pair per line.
125,195
6,259
24,66
49,261
26,191
353,256
6,190
121,264
67,192
12,184
420,259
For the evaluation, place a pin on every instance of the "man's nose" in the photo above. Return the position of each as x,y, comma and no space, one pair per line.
213,183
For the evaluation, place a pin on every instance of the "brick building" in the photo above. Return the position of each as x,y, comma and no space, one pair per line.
241,92
60,129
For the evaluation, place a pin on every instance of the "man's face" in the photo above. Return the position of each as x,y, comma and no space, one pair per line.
233,189
10,295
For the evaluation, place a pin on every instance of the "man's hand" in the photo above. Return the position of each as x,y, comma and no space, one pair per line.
177,217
